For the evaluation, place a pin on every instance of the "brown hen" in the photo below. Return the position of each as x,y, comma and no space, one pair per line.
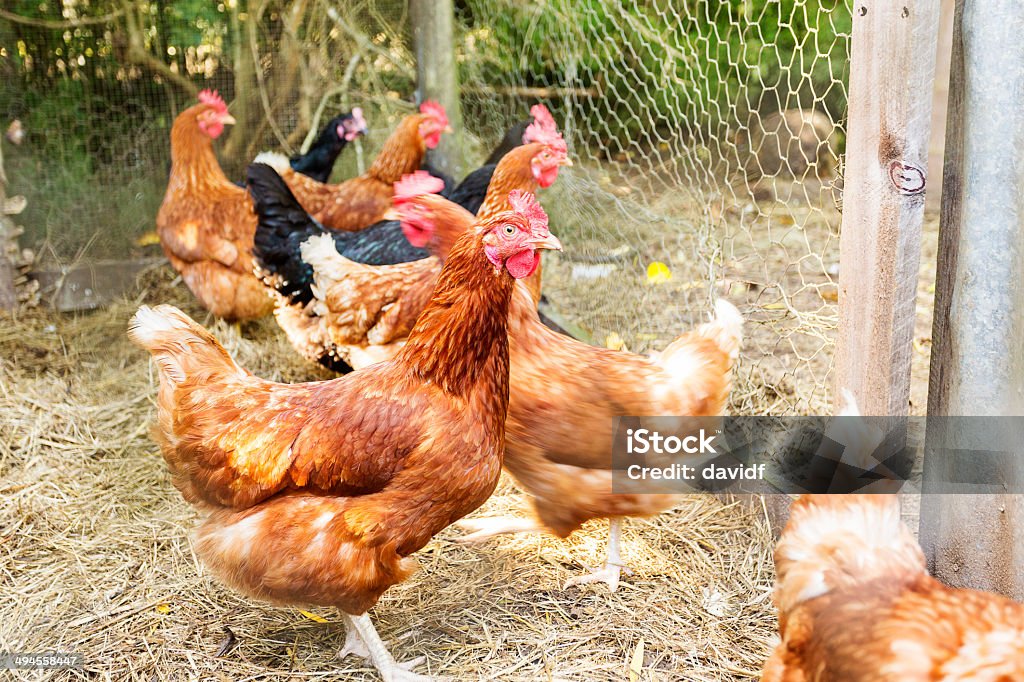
206,223
564,397
363,200
856,604
318,493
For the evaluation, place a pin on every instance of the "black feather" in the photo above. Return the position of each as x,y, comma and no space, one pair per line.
284,225
334,364
318,162
472,191
513,138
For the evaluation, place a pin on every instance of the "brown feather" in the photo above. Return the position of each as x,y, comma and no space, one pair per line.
855,603
362,201
319,492
206,226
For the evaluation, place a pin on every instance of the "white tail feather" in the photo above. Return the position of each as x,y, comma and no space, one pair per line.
148,325
320,252
275,160
178,344
726,328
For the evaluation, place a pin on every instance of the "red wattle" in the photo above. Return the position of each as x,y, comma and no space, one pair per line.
523,264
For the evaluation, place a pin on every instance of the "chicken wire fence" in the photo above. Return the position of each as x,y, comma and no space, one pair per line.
707,137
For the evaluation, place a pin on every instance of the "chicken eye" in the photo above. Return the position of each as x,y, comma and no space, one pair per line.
510,230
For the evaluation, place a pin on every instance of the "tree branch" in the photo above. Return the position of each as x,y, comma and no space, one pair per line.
58,25
138,53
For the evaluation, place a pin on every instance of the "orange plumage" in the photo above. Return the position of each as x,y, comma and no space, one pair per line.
362,313
857,604
206,223
318,493
362,201
564,396
564,393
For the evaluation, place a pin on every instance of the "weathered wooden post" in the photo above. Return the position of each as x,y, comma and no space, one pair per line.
893,48
433,29
891,74
940,101
977,365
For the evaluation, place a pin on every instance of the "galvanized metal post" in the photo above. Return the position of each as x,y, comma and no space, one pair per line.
978,337
433,29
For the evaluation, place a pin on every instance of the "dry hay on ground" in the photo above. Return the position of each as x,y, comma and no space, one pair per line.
775,255
95,556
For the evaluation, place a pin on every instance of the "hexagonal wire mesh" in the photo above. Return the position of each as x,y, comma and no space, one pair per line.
708,137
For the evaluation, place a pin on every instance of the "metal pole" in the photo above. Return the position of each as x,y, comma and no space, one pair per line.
433,27
977,365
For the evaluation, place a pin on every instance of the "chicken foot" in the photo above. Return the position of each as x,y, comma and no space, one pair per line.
482,529
613,566
370,644
354,644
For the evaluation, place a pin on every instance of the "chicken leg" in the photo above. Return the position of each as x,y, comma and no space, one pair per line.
482,529
361,627
612,569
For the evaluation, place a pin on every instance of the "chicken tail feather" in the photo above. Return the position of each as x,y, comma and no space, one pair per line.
179,345
726,329
840,541
690,355
278,162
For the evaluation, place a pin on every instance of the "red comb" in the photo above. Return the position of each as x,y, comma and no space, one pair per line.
213,100
526,205
543,129
416,184
542,116
435,111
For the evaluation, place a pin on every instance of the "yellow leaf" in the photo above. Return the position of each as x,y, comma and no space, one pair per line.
313,617
829,293
774,306
658,273
148,239
163,608
636,662
614,342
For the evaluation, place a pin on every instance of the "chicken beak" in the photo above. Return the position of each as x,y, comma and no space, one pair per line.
228,120
548,242
448,129
566,161
392,214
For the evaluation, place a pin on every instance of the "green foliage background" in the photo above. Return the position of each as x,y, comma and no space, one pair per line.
95,162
